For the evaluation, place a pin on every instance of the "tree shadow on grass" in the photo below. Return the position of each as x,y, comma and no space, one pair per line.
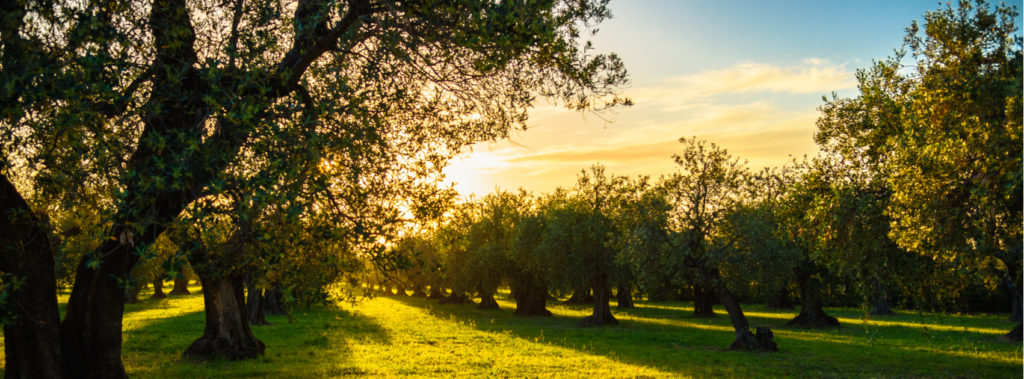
667,339
311,342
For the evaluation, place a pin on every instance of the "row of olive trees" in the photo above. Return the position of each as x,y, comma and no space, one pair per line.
917,192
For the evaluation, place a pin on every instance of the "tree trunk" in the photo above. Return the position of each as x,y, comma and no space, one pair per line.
531,296
273,301
811,313
132,292
880,305
703,301
31,339
762,341
417,291
457,297
400,289
254,301
436,293
90,333
602,314
624,296
180,285
780,300
487,302
487,297
227,334
580,296
1015,335
158,288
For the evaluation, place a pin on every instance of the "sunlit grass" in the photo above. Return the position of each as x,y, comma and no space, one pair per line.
404,336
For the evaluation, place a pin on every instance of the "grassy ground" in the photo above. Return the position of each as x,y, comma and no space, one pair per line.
402,336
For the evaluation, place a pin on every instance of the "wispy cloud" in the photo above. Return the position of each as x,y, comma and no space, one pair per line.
814,76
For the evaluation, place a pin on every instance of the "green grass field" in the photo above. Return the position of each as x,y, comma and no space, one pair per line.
404,336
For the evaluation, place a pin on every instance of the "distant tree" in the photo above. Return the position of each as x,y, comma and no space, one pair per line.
531,270
586,224
802,186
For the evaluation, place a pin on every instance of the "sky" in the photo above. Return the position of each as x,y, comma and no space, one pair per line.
745,75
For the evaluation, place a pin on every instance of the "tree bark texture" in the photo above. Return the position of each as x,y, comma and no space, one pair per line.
602,314
31,339
227,334
745,340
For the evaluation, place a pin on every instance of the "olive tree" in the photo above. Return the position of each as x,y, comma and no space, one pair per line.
708,186
152,103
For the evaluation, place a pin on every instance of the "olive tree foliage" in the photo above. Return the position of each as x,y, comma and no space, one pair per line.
150,104
758,258
947,135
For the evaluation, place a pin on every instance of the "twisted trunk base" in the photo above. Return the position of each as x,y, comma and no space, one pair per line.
602,314
180,286
227,334
531,296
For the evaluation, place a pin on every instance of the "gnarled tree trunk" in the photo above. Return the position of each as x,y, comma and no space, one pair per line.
531,296
812,315
90,333
32,341
180,285
227,334
602,314
745,340
487,298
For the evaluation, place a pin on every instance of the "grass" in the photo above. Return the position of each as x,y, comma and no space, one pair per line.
403,336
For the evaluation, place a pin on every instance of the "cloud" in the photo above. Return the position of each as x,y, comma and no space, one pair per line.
814,76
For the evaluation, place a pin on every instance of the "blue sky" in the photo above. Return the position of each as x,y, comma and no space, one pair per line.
747,75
